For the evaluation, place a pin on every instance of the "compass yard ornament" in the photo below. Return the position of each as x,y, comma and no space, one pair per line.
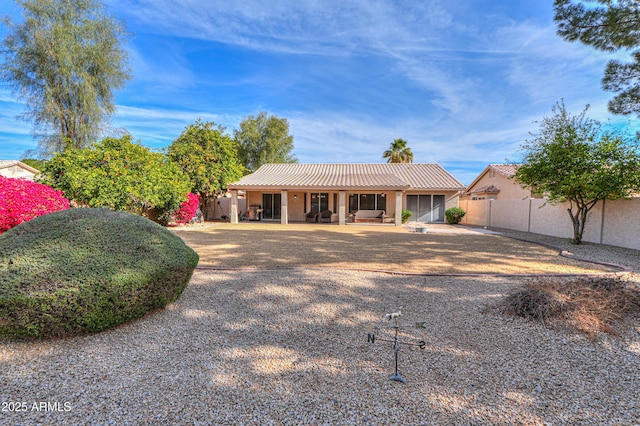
393,316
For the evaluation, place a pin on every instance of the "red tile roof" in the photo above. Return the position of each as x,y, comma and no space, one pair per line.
508,170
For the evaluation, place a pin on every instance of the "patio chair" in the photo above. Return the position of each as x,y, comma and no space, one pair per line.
325,216
312,216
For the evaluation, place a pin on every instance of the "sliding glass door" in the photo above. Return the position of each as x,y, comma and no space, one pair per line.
426,208
271,205
319,201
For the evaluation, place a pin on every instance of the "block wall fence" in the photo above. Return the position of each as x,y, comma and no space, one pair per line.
612,222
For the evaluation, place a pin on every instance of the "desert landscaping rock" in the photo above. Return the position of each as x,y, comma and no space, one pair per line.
289,347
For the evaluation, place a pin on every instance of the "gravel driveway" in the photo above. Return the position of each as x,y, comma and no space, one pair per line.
290,347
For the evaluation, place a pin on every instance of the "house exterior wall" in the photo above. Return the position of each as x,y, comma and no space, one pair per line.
16,171
452,200
509,189
296,206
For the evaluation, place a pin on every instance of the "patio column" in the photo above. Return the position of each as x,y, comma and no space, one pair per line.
342,208
234,206
398,208
284,210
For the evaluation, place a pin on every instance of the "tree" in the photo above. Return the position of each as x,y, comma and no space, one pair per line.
35,163
209,157
613,26
264,139
571,159
65,60
120,175
398,152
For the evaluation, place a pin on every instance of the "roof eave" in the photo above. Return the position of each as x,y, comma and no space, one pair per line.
315,188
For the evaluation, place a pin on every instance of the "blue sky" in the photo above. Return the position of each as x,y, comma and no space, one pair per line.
463,81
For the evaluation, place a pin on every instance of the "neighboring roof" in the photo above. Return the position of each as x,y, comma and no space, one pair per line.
389,176
10,163
508,170
490,189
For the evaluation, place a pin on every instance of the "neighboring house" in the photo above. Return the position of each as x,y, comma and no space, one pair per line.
288,192
17,169
496,183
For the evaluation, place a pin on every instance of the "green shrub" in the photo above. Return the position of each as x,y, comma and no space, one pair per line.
121,175
406,214
454,215
84,270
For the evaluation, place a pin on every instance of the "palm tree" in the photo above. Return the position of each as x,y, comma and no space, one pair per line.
398,152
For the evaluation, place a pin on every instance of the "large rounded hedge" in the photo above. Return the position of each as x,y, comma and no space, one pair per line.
84,270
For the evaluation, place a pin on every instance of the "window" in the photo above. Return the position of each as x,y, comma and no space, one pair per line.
335,202
381,202
353,203
367,202
319,201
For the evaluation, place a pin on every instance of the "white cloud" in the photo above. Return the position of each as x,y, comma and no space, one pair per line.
158,127
303,26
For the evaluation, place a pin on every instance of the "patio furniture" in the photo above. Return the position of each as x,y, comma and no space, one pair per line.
363,216
325,216
312,216
255,212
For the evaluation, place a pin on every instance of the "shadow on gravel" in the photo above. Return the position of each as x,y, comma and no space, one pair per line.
375,249
290,347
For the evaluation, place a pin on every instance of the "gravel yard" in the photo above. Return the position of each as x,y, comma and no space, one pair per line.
444,249
289,346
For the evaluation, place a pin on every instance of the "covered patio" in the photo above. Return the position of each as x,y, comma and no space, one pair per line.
345,193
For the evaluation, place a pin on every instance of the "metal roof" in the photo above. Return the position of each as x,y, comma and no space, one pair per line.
387,176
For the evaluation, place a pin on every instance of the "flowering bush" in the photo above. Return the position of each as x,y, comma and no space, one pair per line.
22,200
188,209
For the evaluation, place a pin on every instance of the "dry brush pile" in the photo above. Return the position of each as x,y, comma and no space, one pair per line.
601,304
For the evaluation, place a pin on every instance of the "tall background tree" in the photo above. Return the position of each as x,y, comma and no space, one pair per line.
264,139
209,157
121,175
610,26
65,60
398,152
572,159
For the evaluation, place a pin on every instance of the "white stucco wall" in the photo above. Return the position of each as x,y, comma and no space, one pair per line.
17,172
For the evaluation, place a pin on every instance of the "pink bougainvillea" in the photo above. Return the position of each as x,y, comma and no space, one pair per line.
22,200
188,209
